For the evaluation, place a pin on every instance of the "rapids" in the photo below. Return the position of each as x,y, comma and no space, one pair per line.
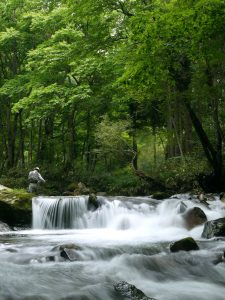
127,238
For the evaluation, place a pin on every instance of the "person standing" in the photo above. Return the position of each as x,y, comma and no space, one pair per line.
34,179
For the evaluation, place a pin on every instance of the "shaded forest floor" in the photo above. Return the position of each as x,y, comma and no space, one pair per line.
117,182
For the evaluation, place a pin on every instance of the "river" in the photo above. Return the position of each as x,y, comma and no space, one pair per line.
127,238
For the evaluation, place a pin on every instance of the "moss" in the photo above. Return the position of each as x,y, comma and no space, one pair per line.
17,198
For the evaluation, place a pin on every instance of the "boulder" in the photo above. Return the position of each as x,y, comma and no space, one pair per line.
214,228
222,197
181,208
93,202
194,217
16,207
4,227
67,251
81,189
161,195
129,291
2,187
186,244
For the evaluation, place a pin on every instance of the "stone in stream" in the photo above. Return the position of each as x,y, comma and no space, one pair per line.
214,228
4,227
68,251
130,292
194,217
186,244
181,208
93,202
15,207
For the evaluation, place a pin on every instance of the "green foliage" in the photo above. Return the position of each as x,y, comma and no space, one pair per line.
66,65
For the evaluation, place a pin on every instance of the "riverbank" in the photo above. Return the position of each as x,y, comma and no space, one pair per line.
15,207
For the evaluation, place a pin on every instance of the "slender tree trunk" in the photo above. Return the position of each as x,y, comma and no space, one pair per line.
31,142
11,124
40,141
87,143
20,156
154,144
71,149
133,115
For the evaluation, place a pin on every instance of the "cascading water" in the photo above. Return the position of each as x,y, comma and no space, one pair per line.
58,212
126,238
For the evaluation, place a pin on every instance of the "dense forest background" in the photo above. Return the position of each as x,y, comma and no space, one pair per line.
125,96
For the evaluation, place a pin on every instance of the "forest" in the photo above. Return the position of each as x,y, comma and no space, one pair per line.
125,96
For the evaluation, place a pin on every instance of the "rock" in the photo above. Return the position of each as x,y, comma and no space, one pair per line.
68,246
15,207
194,217
186,244
182,207
130,292
81,189
219,258
2,187
203,199
68,251
222,197
214,228
4,227
69,254
93,202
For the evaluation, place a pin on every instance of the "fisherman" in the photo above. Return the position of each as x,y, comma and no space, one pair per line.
34,179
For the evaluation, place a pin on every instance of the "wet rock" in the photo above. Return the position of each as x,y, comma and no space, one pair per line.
93,202
67,251
68,246
130,292
186,244
182,207
161,195
69,254
219,258
214,228
4,227
203,199
194,217
222,197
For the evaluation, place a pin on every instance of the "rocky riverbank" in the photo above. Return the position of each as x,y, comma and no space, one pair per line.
15,207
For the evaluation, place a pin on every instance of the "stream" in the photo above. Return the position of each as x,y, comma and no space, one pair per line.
127,238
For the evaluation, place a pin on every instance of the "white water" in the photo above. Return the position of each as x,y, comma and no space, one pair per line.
125,239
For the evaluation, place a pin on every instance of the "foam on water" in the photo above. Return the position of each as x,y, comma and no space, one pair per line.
125,239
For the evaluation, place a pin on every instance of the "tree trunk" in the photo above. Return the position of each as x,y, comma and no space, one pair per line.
133,115
21,141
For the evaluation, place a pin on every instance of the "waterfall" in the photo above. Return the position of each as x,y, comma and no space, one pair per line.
58,212
118,213
125,238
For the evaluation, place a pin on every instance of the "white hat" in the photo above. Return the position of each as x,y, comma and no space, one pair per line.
36,168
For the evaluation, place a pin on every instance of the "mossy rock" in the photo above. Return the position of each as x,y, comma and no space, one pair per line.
15,207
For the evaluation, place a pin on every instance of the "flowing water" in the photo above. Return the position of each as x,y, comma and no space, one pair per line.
125,239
